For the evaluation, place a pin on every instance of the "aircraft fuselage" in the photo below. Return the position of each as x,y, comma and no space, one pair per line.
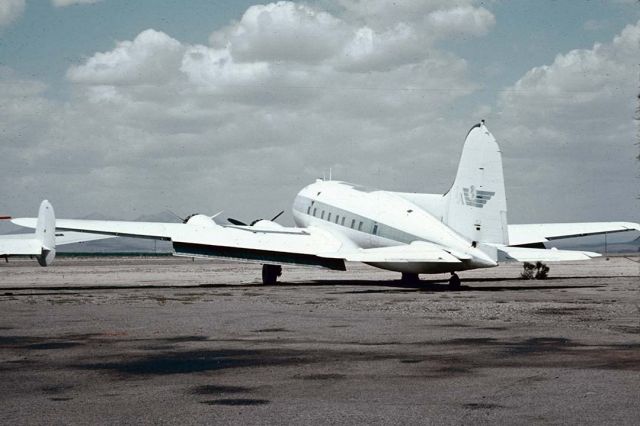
367,218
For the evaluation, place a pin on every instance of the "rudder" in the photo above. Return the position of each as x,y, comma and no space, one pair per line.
476,205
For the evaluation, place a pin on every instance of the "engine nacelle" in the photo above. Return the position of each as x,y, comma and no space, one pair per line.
267,224
200,220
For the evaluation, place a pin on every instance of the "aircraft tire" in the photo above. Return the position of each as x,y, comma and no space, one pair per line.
270,274
454,281
409,278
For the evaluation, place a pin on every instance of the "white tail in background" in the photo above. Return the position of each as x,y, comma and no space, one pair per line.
46,233
476,204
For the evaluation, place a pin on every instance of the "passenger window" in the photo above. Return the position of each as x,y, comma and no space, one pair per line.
353,223
375,229
329,217
337,218
314,212
360,226
342,223
322,215
308,209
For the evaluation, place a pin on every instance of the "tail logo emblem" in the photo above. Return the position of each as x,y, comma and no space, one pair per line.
476,198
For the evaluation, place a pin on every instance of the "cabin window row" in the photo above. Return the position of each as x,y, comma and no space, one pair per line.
339,219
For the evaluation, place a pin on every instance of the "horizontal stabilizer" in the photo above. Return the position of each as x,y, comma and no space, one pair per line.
418,251
28,246
521,254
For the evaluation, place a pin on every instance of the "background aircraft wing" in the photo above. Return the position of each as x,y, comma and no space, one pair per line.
523,254
529,234
265,242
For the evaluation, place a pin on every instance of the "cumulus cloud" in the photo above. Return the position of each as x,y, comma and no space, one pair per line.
276,97
65,3
283,31
578,108
436,19
10,10
281,95
461,20
151,57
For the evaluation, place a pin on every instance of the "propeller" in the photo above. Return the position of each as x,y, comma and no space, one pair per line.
241,223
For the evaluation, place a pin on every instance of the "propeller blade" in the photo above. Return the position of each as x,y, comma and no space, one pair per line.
236,222
277,216
181,219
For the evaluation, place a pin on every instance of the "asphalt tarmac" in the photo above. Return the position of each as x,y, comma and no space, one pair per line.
167,340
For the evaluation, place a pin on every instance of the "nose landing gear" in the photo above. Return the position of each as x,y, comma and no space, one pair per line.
270,274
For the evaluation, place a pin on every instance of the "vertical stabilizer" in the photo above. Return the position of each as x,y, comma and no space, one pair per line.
476,205
46,233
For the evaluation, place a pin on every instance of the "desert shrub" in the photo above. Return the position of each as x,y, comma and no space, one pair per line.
527,273
542,271
539,271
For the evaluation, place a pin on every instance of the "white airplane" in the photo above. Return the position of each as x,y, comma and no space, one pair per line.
411,233
42,243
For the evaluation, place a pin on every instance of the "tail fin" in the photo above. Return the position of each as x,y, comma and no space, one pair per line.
476,205
46,233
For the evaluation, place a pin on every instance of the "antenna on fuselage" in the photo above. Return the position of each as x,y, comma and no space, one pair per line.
330,174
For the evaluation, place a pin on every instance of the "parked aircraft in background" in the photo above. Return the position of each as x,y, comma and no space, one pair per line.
338,222
42,243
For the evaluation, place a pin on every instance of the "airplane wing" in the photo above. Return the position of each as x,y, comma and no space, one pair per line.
110,228
530,234
264,242
63,238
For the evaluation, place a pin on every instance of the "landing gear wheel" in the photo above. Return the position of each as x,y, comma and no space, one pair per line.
408,278
270,274
454,281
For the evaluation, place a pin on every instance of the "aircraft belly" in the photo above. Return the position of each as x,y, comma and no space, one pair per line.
418,267
428,267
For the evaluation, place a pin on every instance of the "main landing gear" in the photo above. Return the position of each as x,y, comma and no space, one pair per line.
409,278
454,281
270,274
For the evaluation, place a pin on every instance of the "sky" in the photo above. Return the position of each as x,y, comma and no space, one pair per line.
127,108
